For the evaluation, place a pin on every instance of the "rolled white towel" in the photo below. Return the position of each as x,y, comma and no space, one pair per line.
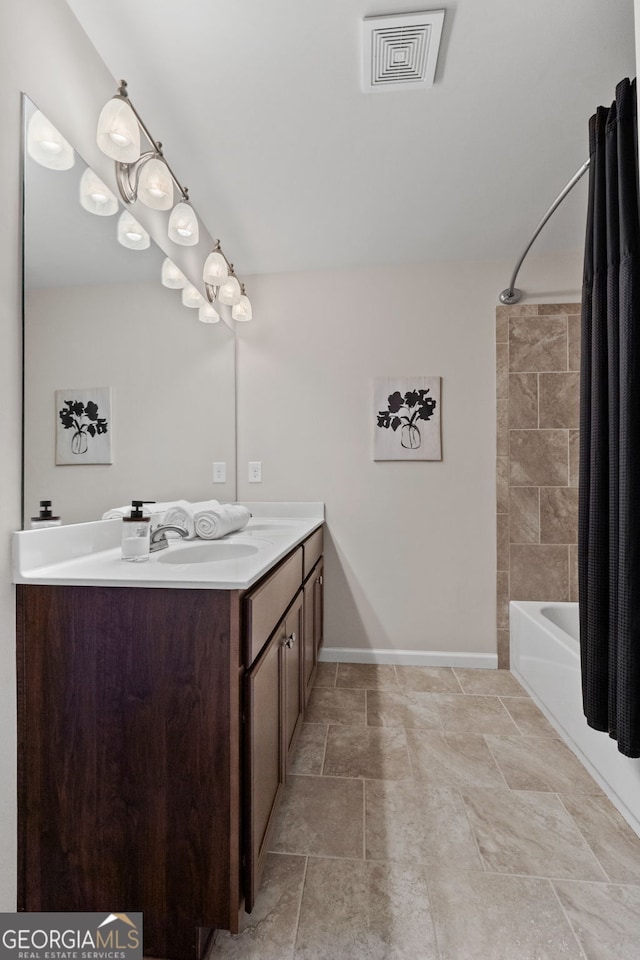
183,514
218,521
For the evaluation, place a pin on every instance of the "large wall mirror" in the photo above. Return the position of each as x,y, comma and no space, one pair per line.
139,380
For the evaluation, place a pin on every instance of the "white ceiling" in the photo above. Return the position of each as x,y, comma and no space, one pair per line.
260,109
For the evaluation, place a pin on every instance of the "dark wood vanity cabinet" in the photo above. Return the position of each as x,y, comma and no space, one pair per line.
154,730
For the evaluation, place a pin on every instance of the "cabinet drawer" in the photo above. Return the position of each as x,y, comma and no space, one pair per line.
312,551
265,606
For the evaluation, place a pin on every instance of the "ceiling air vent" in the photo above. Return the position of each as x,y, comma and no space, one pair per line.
400,51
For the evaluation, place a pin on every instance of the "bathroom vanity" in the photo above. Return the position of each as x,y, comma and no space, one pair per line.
158,709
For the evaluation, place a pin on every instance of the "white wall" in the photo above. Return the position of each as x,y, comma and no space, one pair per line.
410,546
173,396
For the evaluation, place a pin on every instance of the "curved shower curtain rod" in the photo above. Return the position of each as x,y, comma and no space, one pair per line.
511,294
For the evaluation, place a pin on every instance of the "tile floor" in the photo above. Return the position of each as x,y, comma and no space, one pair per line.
433,814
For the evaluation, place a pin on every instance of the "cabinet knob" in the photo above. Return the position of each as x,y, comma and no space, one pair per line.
289,642
320,580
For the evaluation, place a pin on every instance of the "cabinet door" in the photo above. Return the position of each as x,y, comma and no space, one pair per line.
264,758
292,675
308,646
318,608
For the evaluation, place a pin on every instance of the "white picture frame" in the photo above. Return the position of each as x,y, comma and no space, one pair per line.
407,418
83,426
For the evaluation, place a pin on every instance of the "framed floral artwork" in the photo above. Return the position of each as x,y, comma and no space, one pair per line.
83,426
407,418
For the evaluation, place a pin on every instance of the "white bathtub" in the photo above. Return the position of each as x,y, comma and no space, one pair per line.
545,658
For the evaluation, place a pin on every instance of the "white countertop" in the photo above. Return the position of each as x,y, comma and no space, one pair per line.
88,554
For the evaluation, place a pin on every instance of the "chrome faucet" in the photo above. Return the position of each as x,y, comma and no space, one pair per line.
159,536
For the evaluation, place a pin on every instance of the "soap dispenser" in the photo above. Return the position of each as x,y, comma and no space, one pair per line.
135,532
45,519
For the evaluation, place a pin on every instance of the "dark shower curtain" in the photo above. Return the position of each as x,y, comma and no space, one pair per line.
609,495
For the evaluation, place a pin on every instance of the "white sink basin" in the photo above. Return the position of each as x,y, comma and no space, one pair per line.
207,552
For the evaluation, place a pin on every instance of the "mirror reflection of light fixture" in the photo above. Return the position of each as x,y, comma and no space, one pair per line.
131,234
149,178
46,145
191,297
183,225
118,129
207,314
95,196
242,309
229,292
171,276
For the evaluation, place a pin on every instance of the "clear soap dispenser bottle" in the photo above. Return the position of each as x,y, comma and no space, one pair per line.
135,532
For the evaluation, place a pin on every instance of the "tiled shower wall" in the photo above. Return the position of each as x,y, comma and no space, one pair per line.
537,382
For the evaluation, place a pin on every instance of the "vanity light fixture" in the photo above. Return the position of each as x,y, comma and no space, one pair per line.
131,234
230,292
95,196
149,178
47,146
171,276
183,224
242,309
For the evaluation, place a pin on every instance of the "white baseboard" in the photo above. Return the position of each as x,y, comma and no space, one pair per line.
409,658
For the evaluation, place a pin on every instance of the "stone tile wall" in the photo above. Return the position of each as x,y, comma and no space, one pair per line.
537,384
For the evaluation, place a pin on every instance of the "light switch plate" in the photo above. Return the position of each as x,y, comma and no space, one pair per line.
219,471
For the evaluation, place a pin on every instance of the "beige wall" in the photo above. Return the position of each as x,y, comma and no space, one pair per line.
410,546
173,396
538,402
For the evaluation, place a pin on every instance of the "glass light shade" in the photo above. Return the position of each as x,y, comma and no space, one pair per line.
191,297
155,186
47,146
171,276
131,234
242,310
230,292
95,196
118,131
215,270
207,314
183,225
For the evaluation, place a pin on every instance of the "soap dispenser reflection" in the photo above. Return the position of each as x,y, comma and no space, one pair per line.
45,519
135,532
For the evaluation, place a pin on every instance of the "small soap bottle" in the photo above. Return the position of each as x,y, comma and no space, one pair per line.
135,533
45,519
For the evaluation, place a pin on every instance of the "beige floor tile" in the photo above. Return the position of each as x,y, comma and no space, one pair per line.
364,911
366,675
473,714
428,679
529,833
269,931
489,917
497,683
402,708
309,752
609,835
455,760
408,822
539,763
321,817
336,706
326,675
530,721
604,918
378,753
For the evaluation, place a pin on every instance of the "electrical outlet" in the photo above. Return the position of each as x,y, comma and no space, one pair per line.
219,471
255,471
